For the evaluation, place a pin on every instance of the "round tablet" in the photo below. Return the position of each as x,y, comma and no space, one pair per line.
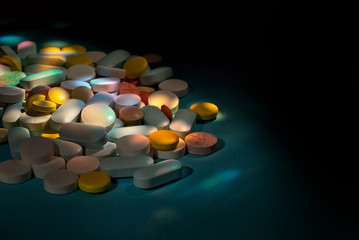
164,140
95,55
14,172
44,106
164,97
36,150
98,114
31,99
79,49
60,181
176,153
3,135
127,99
94,182
131,115
201,143
81,72
58,95
177,86
205,111
135,66
133,145
82,93
78,59
40,89
83,164
106,84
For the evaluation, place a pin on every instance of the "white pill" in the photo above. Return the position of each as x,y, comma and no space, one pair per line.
36,150
40,170
98,114
91,136
157,174
60,181
127,99
110,72
49,77
33,123
106,84
11,94
70,85
55,60
11,115
163,97
66,149
14,172
83,164
176,153
102,97
177,86
35,68
26,48
133,145
15,137
107,150
81,72
95,55
114,59
156,76
183,122
7,50
119,167
117,133
68,112
155,117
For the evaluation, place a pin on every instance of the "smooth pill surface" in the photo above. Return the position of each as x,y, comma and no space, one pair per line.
114,59
11,115
95,55
58,95
14,172
131,115
156,76
60,181
110,72
78,59
164,140
44,106
83,93
49,77
155,117
76,48
163,97
127,99
94,182
107,150
102,97
83,164
183,122
176,153
16,136
66,149
36,150
177,86
40,170
135,66
11,94
98,114
66,113
70,85
205,111
106,84
133,145
201,143
33,123
81,72
117,133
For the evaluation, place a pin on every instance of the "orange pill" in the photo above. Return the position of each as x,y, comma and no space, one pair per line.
131,115
144,97
201,143
129,88
167,111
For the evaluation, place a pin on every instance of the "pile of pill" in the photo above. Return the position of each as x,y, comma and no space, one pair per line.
78,118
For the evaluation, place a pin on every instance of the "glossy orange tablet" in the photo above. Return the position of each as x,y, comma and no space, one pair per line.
129,88
164,140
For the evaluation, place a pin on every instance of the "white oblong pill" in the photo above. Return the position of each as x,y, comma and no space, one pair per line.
157,174
33,123
70,85
114,59
95,55
81,72
102,97
133,145
35,68
11,94
106,84
49,77
40,170
36,150
11,115
68,112
60,181
14,172
155,117
98,114
83,164
177,86
26,48
66,149
15,137
183,122
55,60
107,150
118,167
117,133
110,72
164,97
155,76
87,135
176,153
127,99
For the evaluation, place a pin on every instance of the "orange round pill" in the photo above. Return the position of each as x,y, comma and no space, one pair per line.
82,93
201,143
131,115
164,140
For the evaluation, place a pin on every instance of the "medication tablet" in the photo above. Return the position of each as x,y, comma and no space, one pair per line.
98,114
201,143
58,95
129,88
15,137
183,122
33,123
70,85
11,78
107,150
66,113
36,150
117,133
49,77
50,48
131,115
164,140
127,99
155,117
36,68
40,170
94,182
81,72
83,164
110,72
105,84
66,149
7,50
11,94
83,93
163,97
154,60
146,89
177,86
118,123
3,135
133,145
114,59
119,167
91,136
41,89
60,181
78,59
55,60
11,61
135,67
157,174
26,48
102,97
36,97
44,106
14,172
79,49
205,111
156,76
166,111
95,55
176,153
11,115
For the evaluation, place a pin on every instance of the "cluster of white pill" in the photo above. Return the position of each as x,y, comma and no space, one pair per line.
78,118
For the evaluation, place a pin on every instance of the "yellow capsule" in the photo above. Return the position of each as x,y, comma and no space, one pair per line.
50,48
11,62
78,59
58,95
205,111
79,49
94,182
43,106
164,140
135,67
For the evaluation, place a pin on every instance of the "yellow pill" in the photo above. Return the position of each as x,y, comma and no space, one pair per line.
135,67
3,135
50,133
164,140
43,106
50,48
94,182
30,100
146,89
58,95
11,62
79,49
78,59
205,111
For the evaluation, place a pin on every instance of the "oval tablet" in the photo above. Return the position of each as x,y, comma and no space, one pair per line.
33,123
36,68
60,181
102,97
14,172
95,55
155,117
11,115
107,150
36,150
127,99
66,113
114,59
98,114
49,77
83,93
55,60
164,140
83,164
110,72
66,149
183,122
11,94
163,97
105,84
177,86
201,143
79,49
70,85
205,111
133,145
44,106
15,137
40,170
156,76
81,72
94,182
